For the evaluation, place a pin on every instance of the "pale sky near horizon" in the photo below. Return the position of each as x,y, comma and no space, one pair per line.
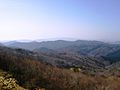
43,19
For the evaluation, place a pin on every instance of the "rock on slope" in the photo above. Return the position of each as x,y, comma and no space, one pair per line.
7,82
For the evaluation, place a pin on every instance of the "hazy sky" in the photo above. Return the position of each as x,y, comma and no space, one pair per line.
43,19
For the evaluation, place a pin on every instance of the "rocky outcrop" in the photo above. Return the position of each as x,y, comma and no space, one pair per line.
8,83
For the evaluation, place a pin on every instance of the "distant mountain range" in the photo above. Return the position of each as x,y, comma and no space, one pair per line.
72,53
50,44
82,47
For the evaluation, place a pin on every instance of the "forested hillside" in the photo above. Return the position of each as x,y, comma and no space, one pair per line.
33,73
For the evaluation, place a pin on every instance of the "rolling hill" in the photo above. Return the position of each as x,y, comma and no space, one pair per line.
50,44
